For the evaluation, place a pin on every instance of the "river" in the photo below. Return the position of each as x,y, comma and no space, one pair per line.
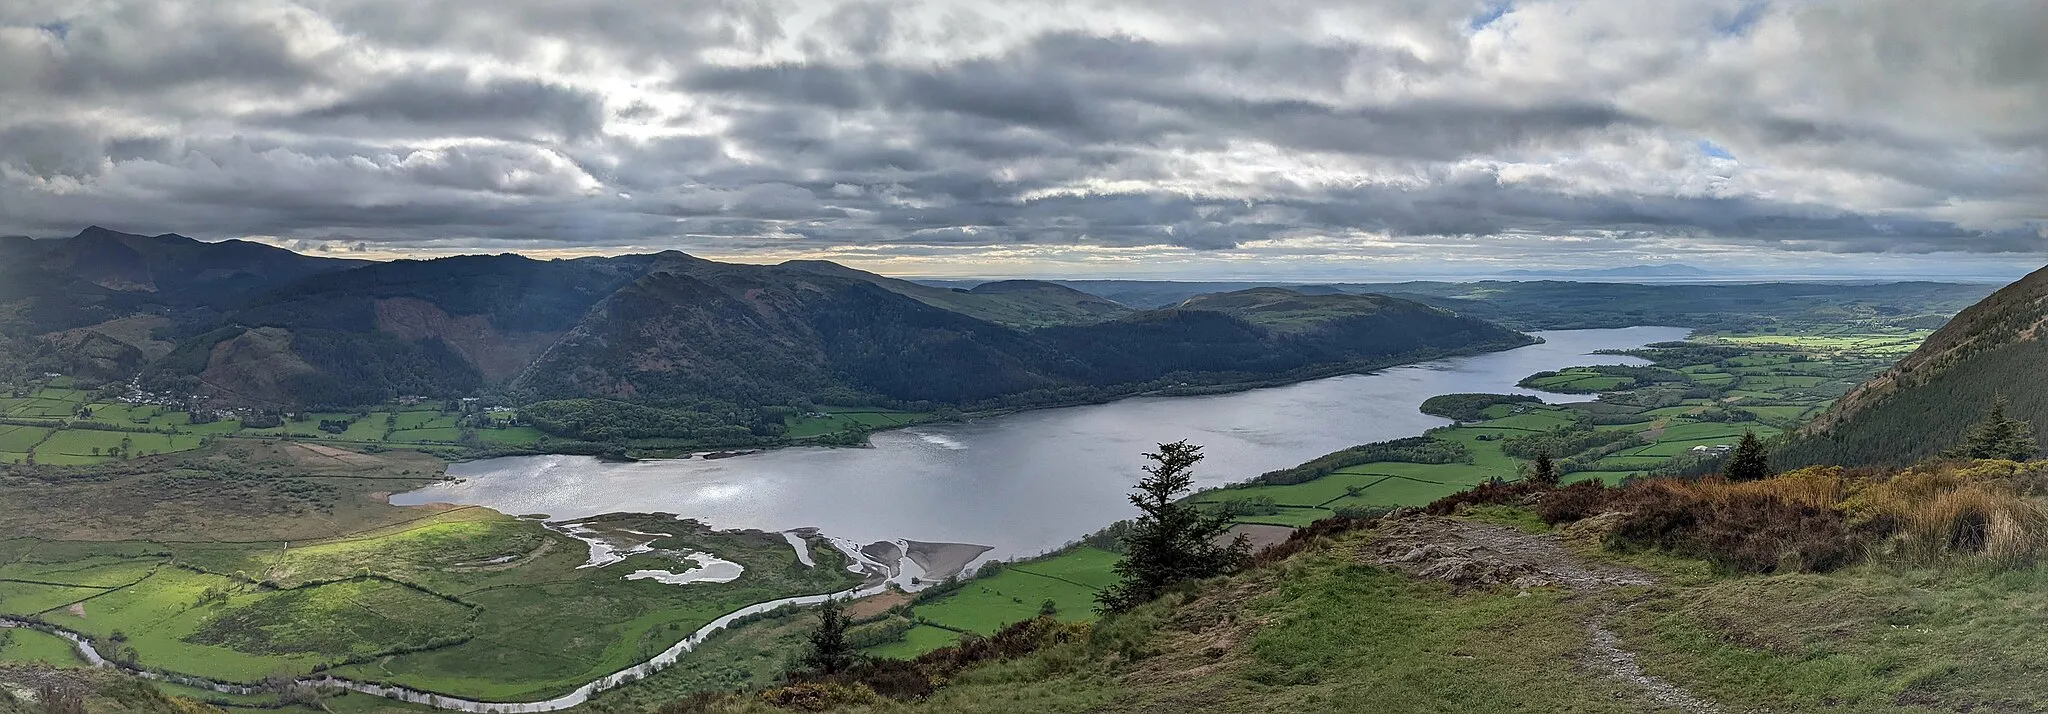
1021,483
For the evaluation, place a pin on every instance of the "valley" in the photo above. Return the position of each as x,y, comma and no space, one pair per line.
358,486
488,570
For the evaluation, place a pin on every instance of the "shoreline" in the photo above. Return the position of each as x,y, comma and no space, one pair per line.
1181,390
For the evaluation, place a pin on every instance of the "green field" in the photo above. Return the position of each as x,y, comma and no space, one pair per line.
20,439
837,420
1016,592
21,645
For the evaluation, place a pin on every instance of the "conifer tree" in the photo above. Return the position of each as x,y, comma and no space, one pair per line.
829,652
1170,542
1750,461
1544,470
1999,436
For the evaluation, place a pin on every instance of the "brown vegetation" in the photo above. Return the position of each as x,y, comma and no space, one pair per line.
1815,519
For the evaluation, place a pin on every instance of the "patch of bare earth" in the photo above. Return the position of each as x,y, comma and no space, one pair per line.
313,454
1472,555
877,604
1259,537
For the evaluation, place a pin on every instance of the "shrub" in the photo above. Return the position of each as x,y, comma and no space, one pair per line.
1742,530
1578,501
820,697
1492,493
1312,535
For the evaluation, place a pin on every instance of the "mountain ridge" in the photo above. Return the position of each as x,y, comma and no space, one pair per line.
1923,404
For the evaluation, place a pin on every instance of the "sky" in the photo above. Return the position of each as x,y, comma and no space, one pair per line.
1328,139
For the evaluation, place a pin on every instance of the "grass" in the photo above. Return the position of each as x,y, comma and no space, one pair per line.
91,446
919,640
747,656
21,599
20,645
836,420
983,605
155,617
1866,640
20,439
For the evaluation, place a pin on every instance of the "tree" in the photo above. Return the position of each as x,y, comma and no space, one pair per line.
829,652
1170,542
1543,470
1999,436
1749,462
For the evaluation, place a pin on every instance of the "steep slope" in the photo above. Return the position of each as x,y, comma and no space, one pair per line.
437,328
761,334
50,290
1925,403
664,328
1017,303
1271,331
768,335
126,262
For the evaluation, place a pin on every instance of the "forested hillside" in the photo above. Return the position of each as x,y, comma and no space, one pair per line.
1924,405
243,325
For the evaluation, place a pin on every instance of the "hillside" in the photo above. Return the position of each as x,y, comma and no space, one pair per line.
71,304
754,334
1016,303
1565,305
1925,403
246,325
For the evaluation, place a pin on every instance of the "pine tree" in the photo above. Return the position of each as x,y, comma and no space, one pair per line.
1749,462
1999,436
1544,470
1170,542
829,652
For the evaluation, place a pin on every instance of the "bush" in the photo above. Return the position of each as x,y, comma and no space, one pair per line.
1493,493
1743,531
1578,501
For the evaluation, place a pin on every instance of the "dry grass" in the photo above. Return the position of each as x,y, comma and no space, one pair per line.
1984,512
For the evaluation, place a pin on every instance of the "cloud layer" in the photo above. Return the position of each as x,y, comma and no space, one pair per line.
1020,132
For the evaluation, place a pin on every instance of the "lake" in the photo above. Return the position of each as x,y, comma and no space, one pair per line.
1022,483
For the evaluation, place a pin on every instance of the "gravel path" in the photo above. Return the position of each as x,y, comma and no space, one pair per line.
1472,555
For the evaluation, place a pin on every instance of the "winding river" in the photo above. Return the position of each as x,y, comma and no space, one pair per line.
1021,483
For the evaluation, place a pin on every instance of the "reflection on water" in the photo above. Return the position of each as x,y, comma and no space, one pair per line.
1023,483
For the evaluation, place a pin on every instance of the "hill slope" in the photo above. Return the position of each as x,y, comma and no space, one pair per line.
1925,403
1017,303
672,329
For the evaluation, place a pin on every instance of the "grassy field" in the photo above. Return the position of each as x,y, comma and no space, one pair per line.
836,420
25,646
279,559
984,605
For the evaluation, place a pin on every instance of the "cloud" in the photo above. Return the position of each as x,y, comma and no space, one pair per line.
440,103
1539,130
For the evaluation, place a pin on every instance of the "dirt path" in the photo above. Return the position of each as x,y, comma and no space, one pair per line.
1472,555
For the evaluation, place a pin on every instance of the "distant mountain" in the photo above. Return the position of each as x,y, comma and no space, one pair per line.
1924,404
55,293
126,262
672,329
1562,304
1017,303
1667,270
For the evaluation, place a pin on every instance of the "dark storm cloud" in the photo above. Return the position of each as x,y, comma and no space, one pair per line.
1122,90
444,103
1879,126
